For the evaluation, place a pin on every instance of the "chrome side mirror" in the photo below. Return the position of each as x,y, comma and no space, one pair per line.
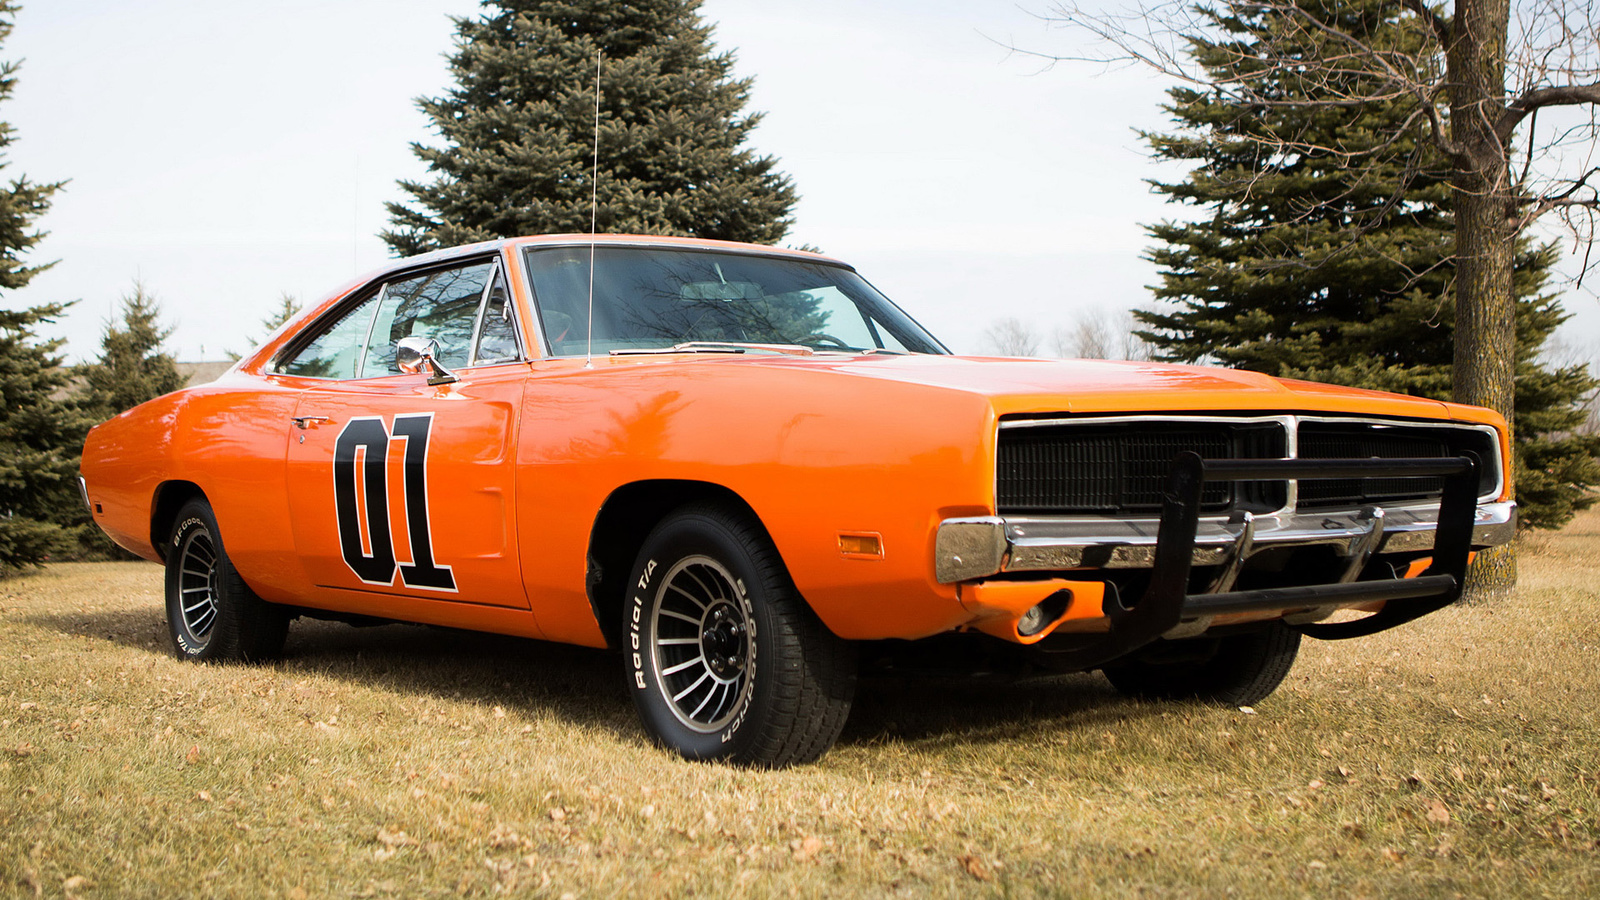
413,355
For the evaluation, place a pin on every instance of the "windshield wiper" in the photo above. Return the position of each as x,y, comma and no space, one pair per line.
716,347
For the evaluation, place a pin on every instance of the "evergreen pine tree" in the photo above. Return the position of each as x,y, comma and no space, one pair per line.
519,131
288,306
132,367
1332,262
39,432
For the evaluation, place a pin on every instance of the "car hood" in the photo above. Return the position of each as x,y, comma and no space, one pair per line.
1032,386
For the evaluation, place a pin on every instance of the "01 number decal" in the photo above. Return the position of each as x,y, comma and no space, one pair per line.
362,452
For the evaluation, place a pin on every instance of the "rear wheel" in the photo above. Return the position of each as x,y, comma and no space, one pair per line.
1238,670
211,612
725,658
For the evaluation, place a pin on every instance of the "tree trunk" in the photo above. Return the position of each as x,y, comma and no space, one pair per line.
1485,329
1486,343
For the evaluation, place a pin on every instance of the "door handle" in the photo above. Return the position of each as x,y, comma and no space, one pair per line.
304,422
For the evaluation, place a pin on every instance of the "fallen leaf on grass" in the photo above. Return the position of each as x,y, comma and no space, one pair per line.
806,849
975,867
23,750
1438,812
1392,855
396,838
193,756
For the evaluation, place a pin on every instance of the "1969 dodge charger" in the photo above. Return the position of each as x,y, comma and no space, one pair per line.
742,466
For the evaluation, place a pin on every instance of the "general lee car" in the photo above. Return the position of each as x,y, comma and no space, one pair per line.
740,465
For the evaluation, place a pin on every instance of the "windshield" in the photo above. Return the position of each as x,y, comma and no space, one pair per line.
653,298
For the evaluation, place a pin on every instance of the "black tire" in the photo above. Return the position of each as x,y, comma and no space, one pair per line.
726,660
1238,670
211,613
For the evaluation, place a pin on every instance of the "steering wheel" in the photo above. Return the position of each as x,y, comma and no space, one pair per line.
829,339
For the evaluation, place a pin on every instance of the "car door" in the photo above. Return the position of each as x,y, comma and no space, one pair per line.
402,483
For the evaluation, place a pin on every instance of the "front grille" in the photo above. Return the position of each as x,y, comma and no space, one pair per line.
1122,470
1356,440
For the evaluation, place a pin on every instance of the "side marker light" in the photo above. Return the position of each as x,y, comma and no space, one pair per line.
861,545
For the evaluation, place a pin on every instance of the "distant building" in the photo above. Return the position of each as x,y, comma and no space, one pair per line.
202,372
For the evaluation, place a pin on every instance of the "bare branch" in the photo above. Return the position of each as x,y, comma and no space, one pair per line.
1539,98
1439,25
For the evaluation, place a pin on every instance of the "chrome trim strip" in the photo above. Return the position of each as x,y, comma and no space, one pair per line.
969,548
1175,418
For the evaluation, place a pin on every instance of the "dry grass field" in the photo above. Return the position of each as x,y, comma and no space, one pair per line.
1459,756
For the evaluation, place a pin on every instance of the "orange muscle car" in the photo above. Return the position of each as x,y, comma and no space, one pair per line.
743,467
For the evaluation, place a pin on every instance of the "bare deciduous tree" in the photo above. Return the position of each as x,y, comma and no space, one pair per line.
1101,335
1011,336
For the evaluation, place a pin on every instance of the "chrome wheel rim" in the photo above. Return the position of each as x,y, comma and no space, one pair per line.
703,644
197,587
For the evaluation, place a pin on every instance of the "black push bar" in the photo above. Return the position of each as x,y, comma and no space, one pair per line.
1167,601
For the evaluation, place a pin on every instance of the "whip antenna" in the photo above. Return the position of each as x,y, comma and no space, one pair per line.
594,204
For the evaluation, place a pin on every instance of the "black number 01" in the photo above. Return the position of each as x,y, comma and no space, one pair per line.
368,439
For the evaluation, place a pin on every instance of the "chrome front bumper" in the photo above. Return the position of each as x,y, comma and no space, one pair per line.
1167,609
971,548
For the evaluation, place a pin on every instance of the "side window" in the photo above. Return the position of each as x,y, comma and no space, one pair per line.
497,335
336,353
441,305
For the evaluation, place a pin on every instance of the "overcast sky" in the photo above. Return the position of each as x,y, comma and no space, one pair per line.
227,153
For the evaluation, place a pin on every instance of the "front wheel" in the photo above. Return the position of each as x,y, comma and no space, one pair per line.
725,659
1238,670
211,612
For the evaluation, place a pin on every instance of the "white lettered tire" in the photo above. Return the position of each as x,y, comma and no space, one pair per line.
723,657
211,613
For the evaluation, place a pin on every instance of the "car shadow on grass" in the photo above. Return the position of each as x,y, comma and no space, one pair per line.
585,686
938,711
579,685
